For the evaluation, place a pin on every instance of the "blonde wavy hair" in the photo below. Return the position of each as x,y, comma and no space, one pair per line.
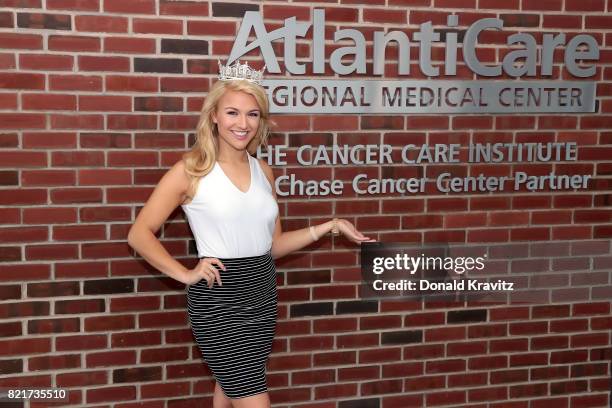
200,160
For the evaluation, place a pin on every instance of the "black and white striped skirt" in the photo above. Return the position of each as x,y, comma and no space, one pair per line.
234,324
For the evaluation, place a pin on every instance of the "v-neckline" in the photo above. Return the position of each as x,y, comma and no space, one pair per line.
234,184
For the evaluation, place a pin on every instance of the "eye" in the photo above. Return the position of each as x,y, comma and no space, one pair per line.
232,113
254,114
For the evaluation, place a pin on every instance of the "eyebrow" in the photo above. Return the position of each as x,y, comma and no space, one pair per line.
231,107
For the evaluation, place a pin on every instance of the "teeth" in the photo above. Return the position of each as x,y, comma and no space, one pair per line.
240,133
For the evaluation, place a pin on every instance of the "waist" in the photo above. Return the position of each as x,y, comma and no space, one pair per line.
254,258
244,279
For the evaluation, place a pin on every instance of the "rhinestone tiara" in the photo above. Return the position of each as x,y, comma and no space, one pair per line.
240,71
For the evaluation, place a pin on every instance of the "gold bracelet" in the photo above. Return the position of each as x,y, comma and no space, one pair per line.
313,234
335,230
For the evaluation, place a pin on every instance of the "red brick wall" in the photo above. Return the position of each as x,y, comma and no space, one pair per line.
99,98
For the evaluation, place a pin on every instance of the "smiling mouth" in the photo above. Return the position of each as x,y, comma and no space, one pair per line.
240,135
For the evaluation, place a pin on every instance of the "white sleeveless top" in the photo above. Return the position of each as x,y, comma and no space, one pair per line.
228,223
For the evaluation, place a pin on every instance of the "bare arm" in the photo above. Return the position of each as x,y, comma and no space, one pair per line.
283,243
167,195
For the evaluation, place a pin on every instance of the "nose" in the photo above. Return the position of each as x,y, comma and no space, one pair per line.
242,121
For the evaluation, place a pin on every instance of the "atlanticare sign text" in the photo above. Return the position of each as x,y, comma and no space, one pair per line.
526,58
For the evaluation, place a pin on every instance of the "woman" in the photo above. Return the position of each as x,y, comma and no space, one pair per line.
230,203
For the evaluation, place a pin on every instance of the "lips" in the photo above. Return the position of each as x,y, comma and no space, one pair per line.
240,135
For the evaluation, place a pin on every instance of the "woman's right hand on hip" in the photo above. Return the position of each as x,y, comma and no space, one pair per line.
205,270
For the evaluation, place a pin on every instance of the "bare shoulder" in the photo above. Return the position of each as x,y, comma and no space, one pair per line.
178,172
166,196
179,166
266,169
177,179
